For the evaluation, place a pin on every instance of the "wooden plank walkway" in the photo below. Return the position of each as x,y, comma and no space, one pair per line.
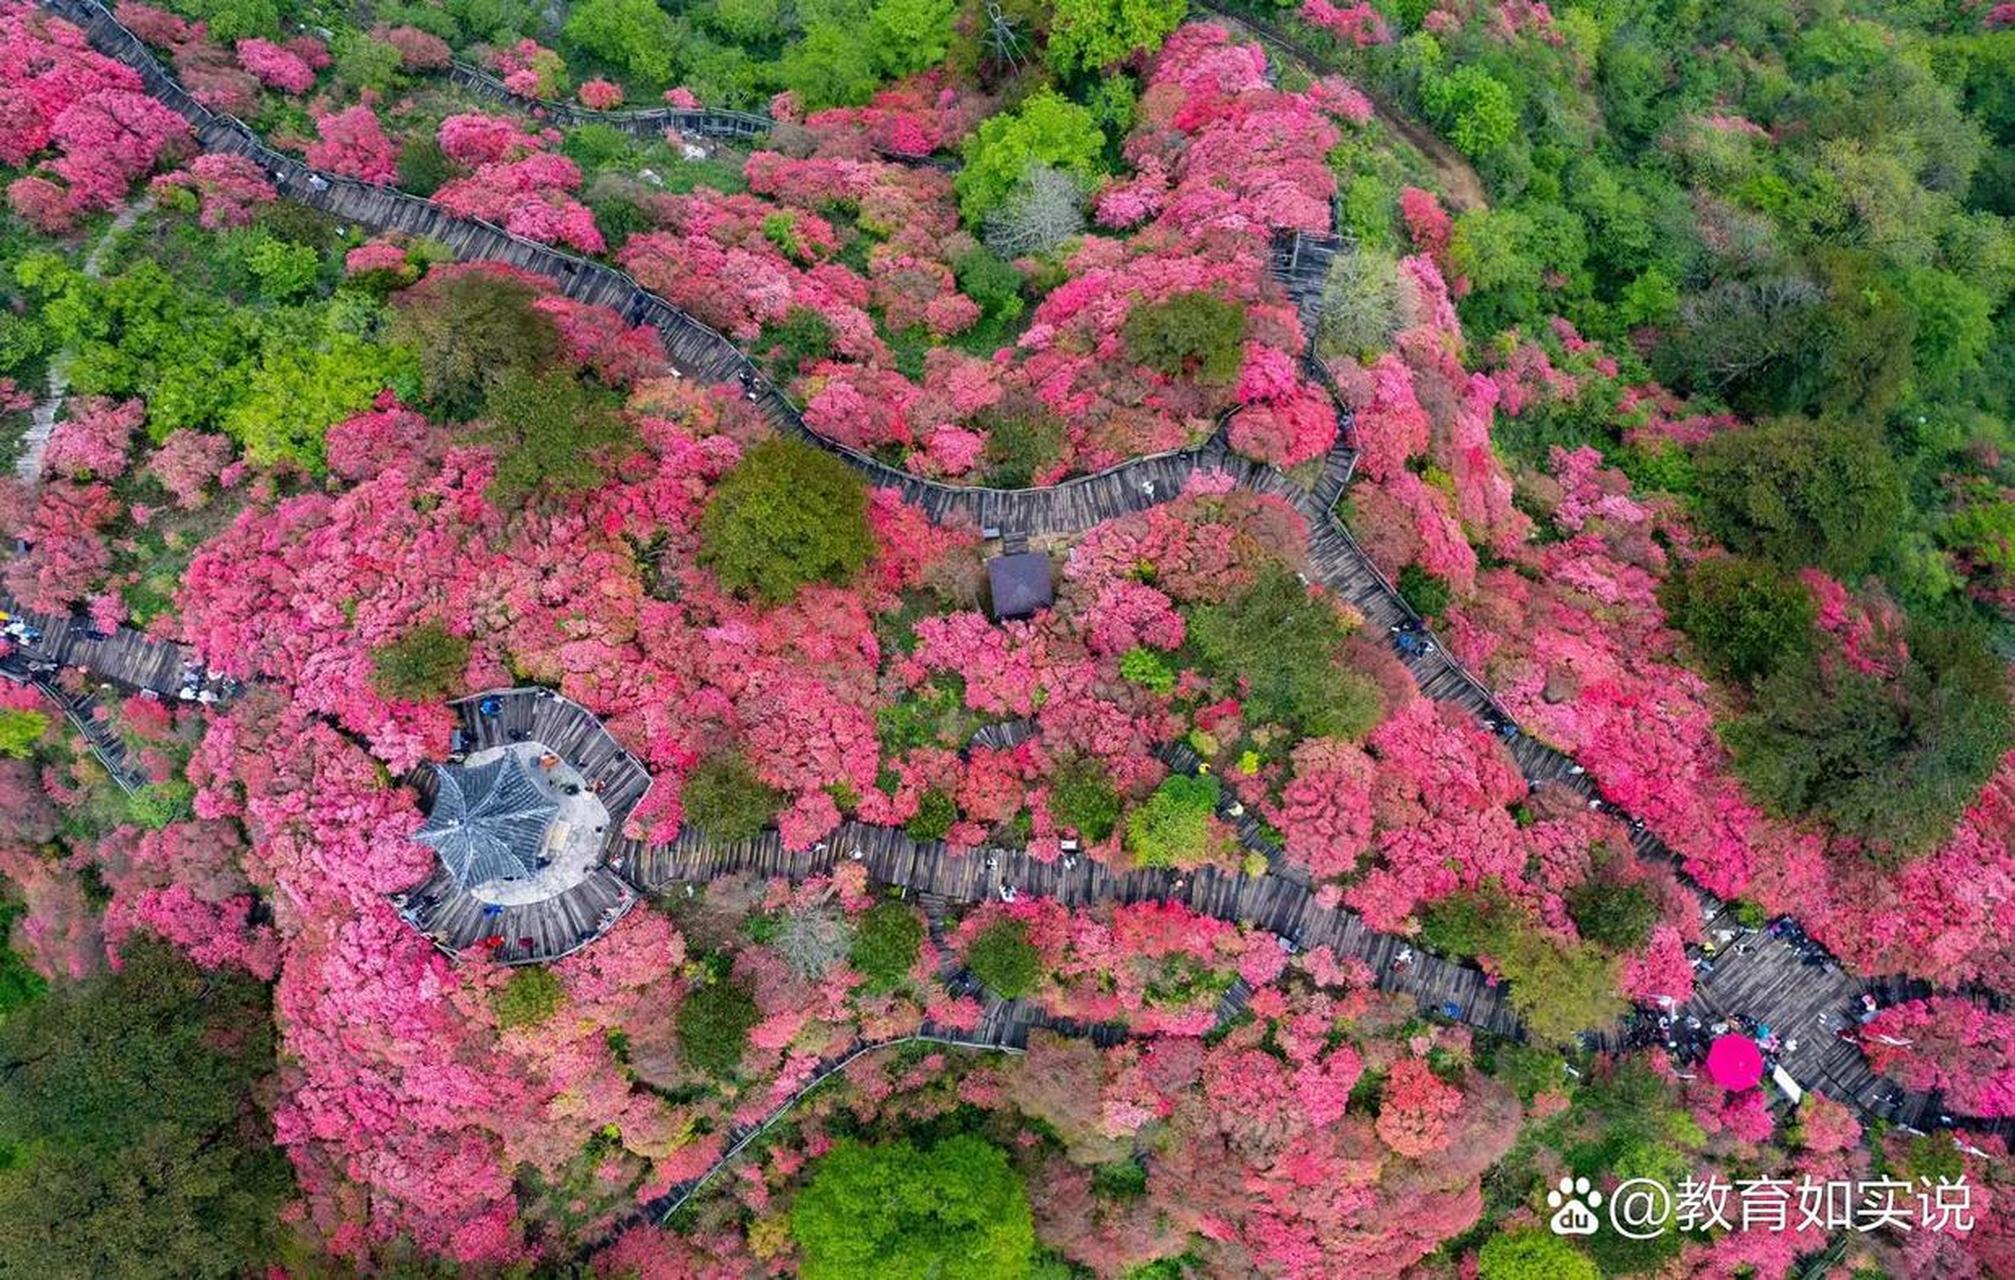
1067,508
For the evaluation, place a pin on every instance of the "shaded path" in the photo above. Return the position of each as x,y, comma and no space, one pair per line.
1067,508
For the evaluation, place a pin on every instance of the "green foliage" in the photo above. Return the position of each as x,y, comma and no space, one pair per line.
1802,491
1888,761
1046,129
553,433
1474,108
1360,302
1533,1254
1090,35
1745,617
724,798
934,816
909,36
787,515
423,166
294,394
635,35
713,1026
833,66
1557,989
1173,829
131,1144
20,729
1003,958
1023,442
528,997
232,20
472,329
886,943
1147,668
1195,334
284,270
157,804
802,338
1619,917
953,1211
1282,643
1428,594
423,665
991,281
1083,799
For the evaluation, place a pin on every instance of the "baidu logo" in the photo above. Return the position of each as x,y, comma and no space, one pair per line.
1574,1203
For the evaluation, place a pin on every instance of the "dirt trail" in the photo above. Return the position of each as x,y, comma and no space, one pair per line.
1460,185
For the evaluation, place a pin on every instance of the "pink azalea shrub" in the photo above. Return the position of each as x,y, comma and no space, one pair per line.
515,182
351,142
1962,1049
227,187
276,67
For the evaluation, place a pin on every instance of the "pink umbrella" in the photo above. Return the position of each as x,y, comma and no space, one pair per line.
1734,1062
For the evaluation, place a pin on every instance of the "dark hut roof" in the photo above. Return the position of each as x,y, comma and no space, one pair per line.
1020,583
489,822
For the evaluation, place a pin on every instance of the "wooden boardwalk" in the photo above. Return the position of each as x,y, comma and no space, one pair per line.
124,661
1791,1000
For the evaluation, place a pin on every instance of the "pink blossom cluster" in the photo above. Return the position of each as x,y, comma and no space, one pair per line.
227,187
57,94
1359,24
515,182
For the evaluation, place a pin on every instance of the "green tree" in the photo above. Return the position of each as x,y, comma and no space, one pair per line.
1024,441
130,1141
1282,643
1147,668
471,329
1533,1254
1173,829
713,1026
1090,35
1047,129
886,943
1427,594
934,816
1617,916
909,36
1082,798
724,798
1360,301
1888,761
553,433
1195,334
293,393
1003,958
634,35
1802,491
1474,108
787,515
20,729
1744,616
423,665
528,997
802,338
157,804
833,66
953,1211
